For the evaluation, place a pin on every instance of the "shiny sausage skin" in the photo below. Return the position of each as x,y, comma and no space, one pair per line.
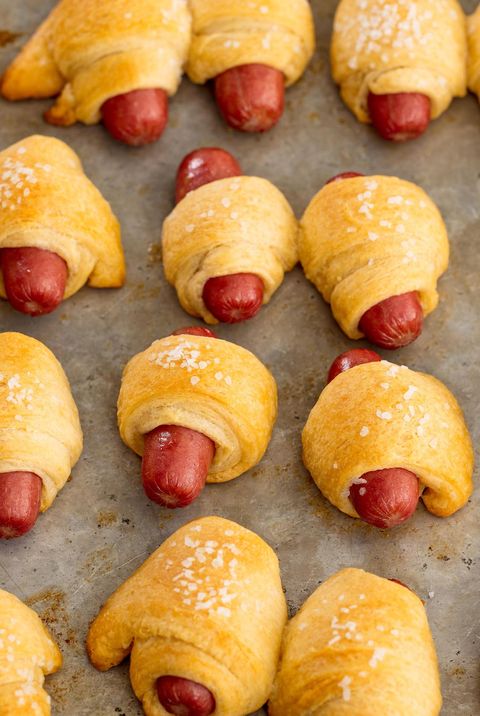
344,175
203,166
401,116
234,298
195,331
175,465
385,498
184,697
34,279
138,117
20,494
349,359
395,322
251,98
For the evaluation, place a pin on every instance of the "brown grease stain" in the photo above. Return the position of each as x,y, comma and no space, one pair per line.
106,519
458,672
7,37
139,293
98,563
61,690
50,606
155,254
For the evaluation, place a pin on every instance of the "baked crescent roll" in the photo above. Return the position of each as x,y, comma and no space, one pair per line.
230,226
360,645
27,654
92,51
380,415
39,425
206,384
365,239
388,47
206,606
473,68
277,33
46,201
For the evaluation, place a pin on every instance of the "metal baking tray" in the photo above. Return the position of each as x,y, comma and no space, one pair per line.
101,526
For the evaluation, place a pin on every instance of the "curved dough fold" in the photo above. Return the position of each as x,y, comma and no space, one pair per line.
91,51
206,606
46,201
27,654
276,33
237,225
360,645
206,384
39,425
387,47
381,415
365,239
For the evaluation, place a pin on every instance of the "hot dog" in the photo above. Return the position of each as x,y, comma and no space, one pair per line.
235,297
184,697
138,117
175,465
383,498
401,116
34,279
176,460
350,359
251,97
203,166
395,322
20,494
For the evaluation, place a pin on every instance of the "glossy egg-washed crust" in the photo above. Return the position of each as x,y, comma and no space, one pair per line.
365,239
276,33
27,654
386,47
90,51
237,225
46,201
381,415
206,384
360,645
39,425
473,68
206,606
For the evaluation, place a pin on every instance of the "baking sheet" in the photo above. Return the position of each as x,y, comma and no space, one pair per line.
102,526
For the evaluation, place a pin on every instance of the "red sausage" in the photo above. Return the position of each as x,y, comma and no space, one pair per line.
194,331
395,322
344,175
184,697
20,494
401,116
385,498
251,98
234,298
35,279
138,117
203,166
175,465
350,359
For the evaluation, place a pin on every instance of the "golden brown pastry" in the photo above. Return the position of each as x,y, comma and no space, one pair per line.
252,50
473,67
359,645
277,33
27,654
92,51
40,431
399,64
231,226
363,241
381,417
209,386
47,203
204,614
